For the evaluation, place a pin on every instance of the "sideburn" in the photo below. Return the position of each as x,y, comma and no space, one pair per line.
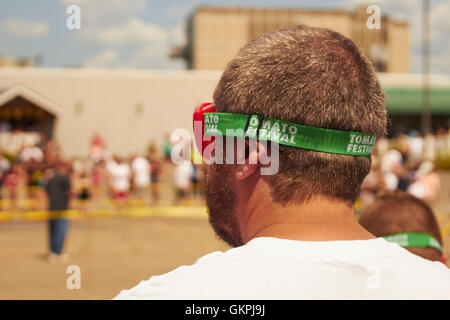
221,200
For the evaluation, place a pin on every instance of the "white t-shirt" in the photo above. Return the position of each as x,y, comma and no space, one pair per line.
120,174
390,159
390,181
4,165
271,268
183,175
141,170
31,153
417,146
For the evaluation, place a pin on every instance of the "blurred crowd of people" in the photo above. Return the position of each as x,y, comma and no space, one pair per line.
98,178
397,164
401,164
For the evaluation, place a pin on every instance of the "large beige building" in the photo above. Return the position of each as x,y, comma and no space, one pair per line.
216,34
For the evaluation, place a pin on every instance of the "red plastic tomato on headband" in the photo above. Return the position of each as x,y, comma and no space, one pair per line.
199,124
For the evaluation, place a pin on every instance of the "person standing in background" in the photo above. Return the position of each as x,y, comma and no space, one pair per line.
402,171
406,220
416,146
82,181
155,171
427,184
12,183
183,179
167,148
58,191
120,175
5,166
140,168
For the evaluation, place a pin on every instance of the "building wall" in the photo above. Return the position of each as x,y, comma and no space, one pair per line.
222,36
129,108
398,39
219,33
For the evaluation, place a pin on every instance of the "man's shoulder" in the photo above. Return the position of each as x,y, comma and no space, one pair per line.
421,268
287,269
404,275
183,282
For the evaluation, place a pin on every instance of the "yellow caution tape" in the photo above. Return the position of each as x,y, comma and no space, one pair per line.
134,212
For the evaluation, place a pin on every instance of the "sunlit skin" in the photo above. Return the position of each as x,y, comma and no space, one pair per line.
321,219
258,215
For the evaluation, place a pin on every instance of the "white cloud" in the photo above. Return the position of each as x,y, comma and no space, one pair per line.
133,31
103,59
175,12
151,46
149,55
178,34
24,28
101,12
152,57
440,32
440,62
440,23
121,25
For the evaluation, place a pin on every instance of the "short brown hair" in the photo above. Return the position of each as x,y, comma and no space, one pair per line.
398,212
315,77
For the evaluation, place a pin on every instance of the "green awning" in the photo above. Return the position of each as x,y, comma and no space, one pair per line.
409,100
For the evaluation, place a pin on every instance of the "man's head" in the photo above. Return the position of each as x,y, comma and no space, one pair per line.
399,212
310,76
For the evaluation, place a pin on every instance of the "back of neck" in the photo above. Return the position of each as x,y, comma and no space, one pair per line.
320,219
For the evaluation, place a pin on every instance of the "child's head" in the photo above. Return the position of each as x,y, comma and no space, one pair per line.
398,212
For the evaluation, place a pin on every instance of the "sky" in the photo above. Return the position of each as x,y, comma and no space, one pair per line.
140,33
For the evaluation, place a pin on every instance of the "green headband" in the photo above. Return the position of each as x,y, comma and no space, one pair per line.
289,134
414,239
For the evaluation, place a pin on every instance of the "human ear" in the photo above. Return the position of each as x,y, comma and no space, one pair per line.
245,170
253,154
